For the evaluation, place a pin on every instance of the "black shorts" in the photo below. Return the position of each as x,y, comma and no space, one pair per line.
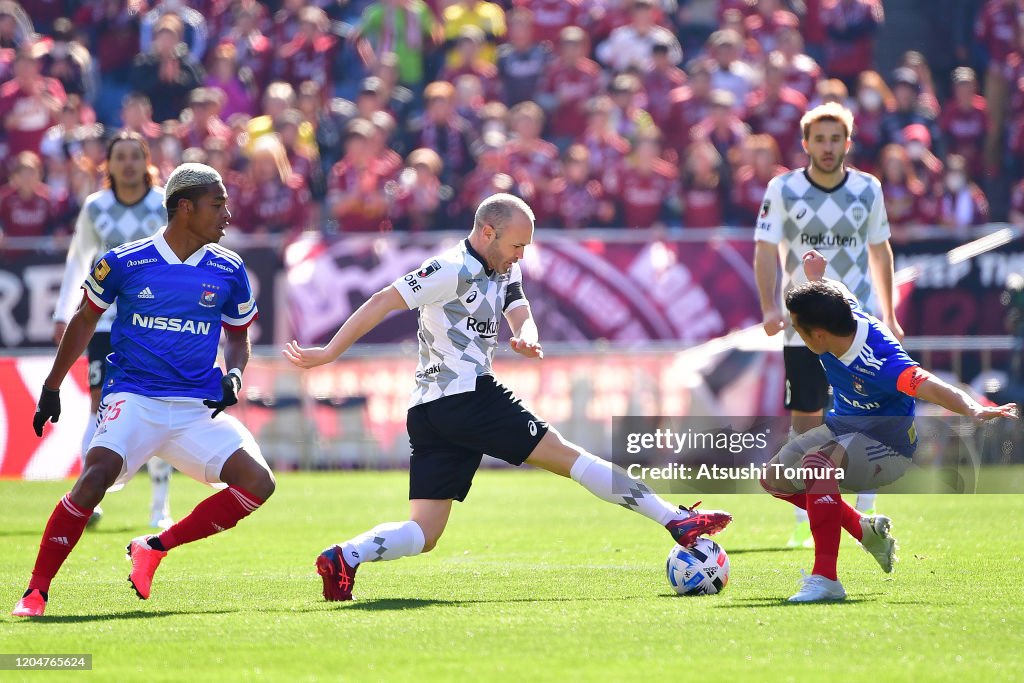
450,435
99,349
807,387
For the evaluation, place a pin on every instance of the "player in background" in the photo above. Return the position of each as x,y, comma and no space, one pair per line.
175,291
130,208
869,432
459,411
837,210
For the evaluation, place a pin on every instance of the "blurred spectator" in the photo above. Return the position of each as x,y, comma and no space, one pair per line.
644,186
874,101
382,145
137,117
627,117
762,162
273,199
356,194
775,108
522,60
902,190
605,147
832,90
467,48
658,82
399,99
802,72
728,71
303,160
202,119
237,83
113,30
1017,204
167,150
999,33
489,176
327,123
574,199
420,198
688,106
702,186
722,127
61,141
964,121
69,62
29,103
851,26
768,22
905,90
468,101
630,46
489,17
928,167
15,25
219,155
567,85
407,28
253,50
167,73
551,17
26,208
278,98
310,54
193,24
533,162
286,21
963,203
444,132
927,98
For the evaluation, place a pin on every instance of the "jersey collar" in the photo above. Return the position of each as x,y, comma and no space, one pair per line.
828,190
168,254
859,339
478,257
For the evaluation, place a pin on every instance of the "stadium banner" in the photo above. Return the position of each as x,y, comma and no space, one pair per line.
633,289
30,283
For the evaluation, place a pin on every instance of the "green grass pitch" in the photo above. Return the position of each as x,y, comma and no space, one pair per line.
534,580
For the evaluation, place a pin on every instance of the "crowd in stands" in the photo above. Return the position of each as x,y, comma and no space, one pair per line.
357,115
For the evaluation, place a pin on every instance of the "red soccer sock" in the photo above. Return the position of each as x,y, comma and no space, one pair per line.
219,512
64,528
824,509
851,520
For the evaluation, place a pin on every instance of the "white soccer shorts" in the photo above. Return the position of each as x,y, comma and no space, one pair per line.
869,464
178,430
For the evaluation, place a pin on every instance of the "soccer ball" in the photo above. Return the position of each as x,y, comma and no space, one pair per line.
700,570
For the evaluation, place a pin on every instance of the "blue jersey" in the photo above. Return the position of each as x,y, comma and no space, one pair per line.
865,383
169,316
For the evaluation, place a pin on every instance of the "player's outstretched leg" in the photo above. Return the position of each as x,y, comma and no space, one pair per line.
614,485
250,484
824,507
160,476
66,525
337,565
90,429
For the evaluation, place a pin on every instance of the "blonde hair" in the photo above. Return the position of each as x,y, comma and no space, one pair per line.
271,145
830,111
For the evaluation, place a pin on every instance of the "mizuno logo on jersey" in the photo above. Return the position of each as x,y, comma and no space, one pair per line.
485,328
159,322
147,293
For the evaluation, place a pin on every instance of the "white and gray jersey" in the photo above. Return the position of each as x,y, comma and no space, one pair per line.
461,303
799,215
105,223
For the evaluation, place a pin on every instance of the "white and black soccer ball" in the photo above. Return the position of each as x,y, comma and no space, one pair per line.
702,569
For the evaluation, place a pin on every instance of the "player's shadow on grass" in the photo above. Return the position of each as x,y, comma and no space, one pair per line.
118,616
392,604
751,551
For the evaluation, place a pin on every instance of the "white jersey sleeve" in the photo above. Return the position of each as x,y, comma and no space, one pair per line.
878,219
84,248
771,218
436,280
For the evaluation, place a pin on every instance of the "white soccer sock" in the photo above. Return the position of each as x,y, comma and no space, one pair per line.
160,476
801,515
90,431
388,541
866,501
612,484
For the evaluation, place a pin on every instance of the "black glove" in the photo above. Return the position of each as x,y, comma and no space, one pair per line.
230,384
48,408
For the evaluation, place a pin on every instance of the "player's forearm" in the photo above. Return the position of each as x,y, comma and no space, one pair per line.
765,269
527,328
72,345
237,349
366,317
880,262
941,393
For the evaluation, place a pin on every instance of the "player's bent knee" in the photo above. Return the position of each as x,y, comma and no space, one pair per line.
102,467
